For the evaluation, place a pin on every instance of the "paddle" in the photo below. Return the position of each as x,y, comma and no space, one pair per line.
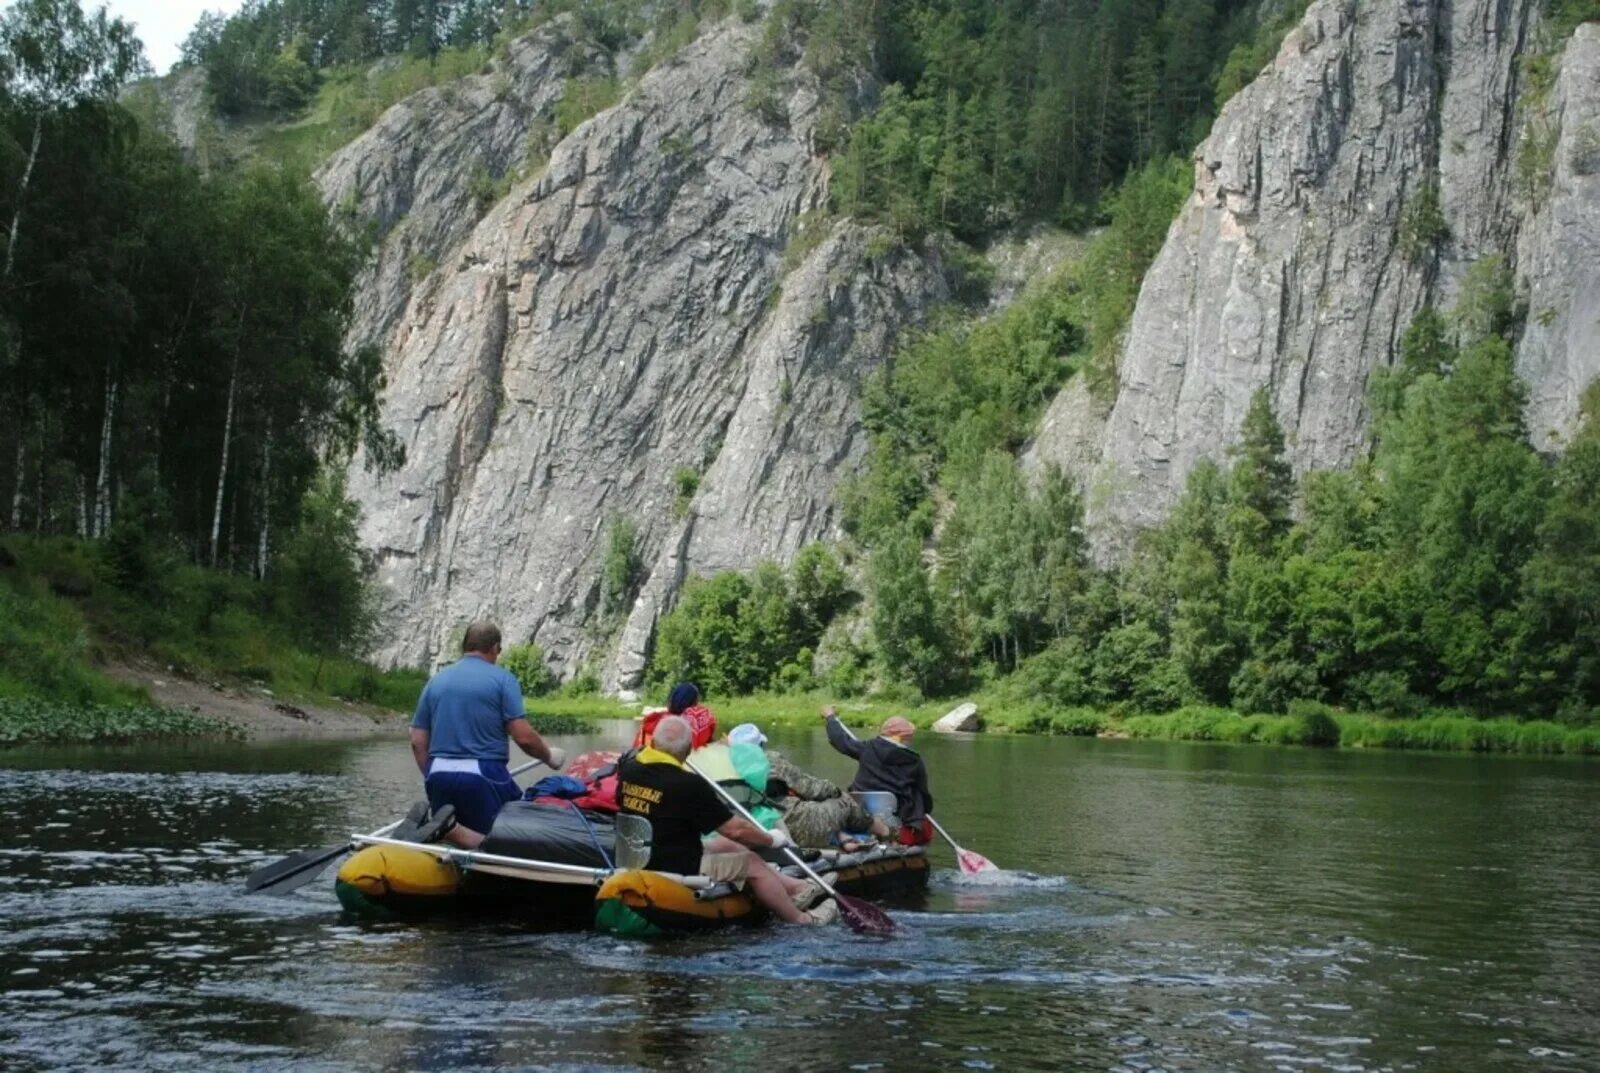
861,916
971,863
298,869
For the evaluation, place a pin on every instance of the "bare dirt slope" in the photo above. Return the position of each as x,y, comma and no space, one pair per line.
255,710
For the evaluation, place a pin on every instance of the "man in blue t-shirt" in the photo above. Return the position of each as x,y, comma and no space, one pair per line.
458,736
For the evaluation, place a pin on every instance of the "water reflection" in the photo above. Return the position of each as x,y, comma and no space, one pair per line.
1191,908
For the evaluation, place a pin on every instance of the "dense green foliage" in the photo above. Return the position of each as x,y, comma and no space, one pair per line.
990,113
1565,15
560,723
1449,733
737,633
1032,109
322,593
172,344
1454,567
175,393
40,722
620,574
273,56
267,57
67,605
526,662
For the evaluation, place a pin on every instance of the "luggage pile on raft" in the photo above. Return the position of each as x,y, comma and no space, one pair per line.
573,862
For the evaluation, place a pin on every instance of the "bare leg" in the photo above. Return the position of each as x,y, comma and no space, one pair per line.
722,844
465,837
770,891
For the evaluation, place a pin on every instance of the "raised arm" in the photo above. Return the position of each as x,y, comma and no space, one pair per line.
838,737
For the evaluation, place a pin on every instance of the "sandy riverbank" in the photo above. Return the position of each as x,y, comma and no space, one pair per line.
254,710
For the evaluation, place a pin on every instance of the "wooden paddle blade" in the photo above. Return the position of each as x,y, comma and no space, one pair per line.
864,917
293,872
973,863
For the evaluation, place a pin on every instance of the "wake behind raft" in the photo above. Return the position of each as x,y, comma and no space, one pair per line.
556,866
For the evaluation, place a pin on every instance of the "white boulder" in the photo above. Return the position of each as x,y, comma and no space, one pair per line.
959,720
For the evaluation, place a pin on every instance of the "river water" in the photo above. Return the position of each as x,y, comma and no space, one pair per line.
1189,908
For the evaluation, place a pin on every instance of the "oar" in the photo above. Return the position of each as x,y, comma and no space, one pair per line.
971,863
861,916
298,869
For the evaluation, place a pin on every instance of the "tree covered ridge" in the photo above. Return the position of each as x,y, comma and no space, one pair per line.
173,368
1033,109
989,113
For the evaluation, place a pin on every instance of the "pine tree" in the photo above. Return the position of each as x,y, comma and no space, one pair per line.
1261,485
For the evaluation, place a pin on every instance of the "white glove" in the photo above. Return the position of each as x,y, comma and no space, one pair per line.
558,757
780,838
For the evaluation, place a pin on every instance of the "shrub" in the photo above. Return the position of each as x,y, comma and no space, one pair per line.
582,98
420,267
1317,722
1423,227
561,724
685,482
526,662
1078,722
620,574
586,683
1536,157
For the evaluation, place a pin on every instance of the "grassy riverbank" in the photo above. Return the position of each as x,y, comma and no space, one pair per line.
79,651
1305,724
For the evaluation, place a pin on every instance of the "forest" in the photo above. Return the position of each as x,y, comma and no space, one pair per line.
174,382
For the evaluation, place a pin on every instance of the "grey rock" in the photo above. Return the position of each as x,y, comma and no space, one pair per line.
1558,253
1025,257
411,177
627,697
962,719
1287,270
622,317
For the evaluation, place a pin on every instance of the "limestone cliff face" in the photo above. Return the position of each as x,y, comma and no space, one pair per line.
419,176
622,318
1558,250
1290,267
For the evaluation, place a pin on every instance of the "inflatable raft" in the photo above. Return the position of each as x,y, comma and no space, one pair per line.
558,867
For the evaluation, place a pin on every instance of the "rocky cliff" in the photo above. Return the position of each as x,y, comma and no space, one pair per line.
618,329
1302,255
420,177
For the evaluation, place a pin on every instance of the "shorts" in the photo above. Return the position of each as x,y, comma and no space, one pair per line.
477,789
725,867
919,833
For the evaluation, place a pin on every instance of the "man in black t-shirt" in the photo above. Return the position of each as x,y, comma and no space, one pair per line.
681,807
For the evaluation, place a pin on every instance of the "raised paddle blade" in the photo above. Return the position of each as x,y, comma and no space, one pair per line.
293,872
972,862
864,917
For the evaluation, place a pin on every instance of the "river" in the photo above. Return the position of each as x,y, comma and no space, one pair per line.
1190,908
